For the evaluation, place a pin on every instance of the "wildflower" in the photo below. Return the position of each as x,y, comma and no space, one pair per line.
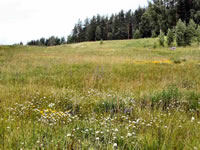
116,130
51,105
42,112
115,145
68,135
192,119
129,134
97,138
97,132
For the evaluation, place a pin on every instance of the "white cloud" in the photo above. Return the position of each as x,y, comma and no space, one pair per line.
24,20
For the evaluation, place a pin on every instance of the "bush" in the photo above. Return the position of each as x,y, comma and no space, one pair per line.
166,98
162,38
180,33
101,42
137,34
170,37
153,34
154,45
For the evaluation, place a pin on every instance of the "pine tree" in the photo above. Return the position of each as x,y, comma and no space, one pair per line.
98,33
162,38
170,37
190,32
180,33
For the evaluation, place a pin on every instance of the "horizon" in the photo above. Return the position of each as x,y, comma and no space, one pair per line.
23,21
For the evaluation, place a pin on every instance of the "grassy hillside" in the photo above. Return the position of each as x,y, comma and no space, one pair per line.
129,94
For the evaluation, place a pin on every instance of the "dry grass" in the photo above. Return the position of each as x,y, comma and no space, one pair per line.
86,83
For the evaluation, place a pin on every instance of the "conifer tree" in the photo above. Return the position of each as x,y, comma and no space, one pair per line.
170,37
190,32
98,33
180,33
162,38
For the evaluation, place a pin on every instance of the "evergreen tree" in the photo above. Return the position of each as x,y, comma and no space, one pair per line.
145,25
170,37
162,38
98,33
42,41
62,40
190,32
180,33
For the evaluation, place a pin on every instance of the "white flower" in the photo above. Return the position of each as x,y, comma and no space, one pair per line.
129,134
68,135
116,130
51,105
97,138
97,132
192,119
115,144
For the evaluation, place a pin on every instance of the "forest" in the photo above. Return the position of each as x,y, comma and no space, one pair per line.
178,19
159,15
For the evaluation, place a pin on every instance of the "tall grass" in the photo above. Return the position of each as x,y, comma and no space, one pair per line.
116,95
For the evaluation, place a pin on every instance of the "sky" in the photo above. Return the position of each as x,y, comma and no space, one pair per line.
25,20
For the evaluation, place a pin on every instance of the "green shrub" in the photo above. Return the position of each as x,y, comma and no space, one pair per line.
154,45
137,34
193,101
166,98
153,34
177,61
162,38
101,42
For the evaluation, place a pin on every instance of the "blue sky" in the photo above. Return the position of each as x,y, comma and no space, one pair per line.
24,20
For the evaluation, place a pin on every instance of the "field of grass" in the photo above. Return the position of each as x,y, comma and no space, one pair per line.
126,94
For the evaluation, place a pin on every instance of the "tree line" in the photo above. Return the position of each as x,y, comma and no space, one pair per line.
51,41
183,34
159,15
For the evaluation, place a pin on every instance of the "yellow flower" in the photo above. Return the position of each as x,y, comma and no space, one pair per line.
42,112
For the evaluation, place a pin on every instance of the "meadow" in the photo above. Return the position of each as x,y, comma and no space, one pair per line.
126,95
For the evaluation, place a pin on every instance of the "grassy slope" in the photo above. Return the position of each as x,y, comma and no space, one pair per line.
117,71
